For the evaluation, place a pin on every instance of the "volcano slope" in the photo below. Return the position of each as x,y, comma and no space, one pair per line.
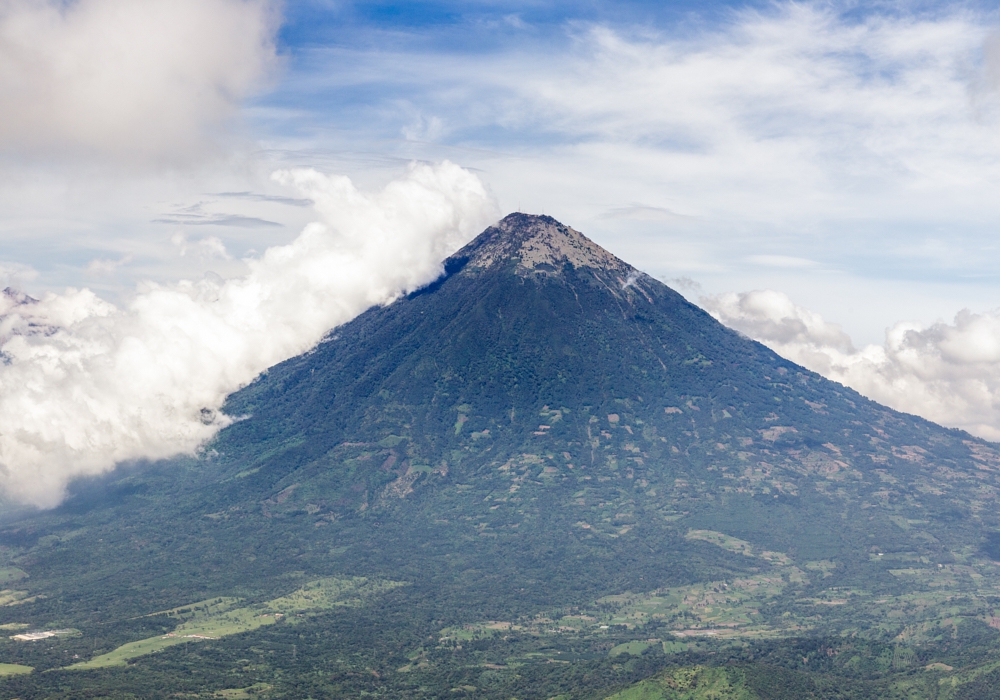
546,474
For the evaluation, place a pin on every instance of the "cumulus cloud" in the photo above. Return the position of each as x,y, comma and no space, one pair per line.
85,384
129,80
946,372
107,266
207,247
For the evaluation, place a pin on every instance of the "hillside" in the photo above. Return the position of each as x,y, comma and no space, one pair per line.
544,473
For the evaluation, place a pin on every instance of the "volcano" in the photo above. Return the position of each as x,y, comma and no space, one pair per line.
544,459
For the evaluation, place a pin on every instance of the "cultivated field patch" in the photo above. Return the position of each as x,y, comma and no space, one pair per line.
218,617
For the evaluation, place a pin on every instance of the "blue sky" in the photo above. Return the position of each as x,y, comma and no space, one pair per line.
319,22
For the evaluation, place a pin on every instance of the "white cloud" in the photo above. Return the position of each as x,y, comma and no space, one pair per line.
207,247
423,129
107,266
639,212
85,384
780,117
16,274
128,80
781,261
946,372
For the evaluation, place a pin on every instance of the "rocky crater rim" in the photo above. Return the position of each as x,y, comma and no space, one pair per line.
538,243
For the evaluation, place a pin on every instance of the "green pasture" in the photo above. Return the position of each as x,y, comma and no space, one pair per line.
216,618
698,683
10,574
126,652
242,693
14,669
635,648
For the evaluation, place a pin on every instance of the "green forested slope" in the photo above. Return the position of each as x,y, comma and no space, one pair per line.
578,478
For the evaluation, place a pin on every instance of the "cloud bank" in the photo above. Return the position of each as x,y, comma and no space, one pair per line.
128,80
85,384
946,372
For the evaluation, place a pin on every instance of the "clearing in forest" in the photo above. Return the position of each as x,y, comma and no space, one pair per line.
217,617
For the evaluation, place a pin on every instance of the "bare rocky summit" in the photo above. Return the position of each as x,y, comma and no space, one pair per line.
539,244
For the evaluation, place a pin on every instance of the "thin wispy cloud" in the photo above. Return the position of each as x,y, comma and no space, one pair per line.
236,220
797,123
786,261
640,212
258,197
107,266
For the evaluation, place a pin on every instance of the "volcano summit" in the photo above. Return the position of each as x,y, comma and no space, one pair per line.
544,475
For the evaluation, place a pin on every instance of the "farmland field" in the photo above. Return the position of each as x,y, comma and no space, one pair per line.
216,618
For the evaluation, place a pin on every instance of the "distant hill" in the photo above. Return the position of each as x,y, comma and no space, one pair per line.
545,474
